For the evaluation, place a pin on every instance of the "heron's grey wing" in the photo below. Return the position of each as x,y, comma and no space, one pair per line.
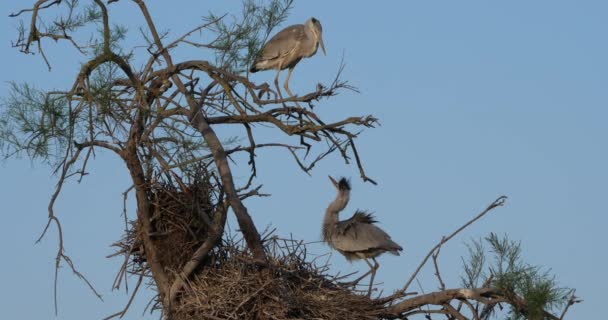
363,237
359,234
282,43
357,218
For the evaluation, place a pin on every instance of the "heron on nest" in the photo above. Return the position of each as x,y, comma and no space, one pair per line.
287,48
356,237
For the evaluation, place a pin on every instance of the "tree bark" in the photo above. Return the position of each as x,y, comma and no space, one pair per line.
252,236
143,216
246,224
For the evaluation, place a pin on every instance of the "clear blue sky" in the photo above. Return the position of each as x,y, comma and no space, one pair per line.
476,98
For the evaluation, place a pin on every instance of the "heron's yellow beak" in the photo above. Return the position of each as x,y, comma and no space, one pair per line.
333,181
322,45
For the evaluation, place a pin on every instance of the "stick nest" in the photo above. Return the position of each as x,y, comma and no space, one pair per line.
179,227
229,284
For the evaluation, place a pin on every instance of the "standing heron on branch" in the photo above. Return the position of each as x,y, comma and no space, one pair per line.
356,237
287,48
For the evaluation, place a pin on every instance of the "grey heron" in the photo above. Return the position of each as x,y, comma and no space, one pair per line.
288,47
356,237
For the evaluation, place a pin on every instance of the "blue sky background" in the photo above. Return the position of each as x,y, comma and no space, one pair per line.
476,99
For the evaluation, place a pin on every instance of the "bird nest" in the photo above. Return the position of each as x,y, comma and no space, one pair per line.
177,228
230,284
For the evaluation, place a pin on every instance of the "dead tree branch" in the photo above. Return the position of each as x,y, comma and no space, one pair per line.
500,201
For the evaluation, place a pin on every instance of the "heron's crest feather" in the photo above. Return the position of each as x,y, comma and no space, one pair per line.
344,184
364,217
360,217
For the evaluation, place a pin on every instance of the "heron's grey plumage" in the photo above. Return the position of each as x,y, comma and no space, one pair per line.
356,237
288,47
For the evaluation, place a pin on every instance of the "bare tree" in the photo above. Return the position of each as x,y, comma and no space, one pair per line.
160,117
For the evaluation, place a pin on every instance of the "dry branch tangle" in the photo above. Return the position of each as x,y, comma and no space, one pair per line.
143,107
147,105
485,296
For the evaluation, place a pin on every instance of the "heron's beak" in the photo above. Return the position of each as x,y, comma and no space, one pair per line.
322,45
335,183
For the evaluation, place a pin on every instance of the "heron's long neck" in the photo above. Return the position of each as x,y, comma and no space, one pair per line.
334,208
311,48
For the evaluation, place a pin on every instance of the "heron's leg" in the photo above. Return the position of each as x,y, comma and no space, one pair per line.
286,83
286,86
356,281
373,272
276,84
302,139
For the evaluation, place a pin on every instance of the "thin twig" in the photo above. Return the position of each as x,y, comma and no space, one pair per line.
437,273
121,313
500,201
573,300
